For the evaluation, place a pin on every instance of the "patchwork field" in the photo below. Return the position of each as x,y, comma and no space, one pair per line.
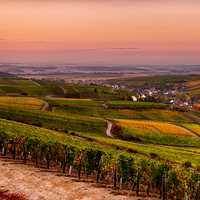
156,133
135,105
193,127
94,108
95,134
22,102
17,86
16,129
153,126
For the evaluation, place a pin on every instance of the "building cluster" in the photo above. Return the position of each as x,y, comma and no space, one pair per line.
171,95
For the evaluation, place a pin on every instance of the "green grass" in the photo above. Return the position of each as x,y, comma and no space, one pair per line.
29,87
87,119
155,132
173,154
54,120
55,101
16,129
155,137
135,105
93,108
94,92
154,81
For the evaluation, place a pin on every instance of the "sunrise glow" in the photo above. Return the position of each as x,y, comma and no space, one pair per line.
119,31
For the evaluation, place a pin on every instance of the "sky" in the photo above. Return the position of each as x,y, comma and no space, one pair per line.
100,31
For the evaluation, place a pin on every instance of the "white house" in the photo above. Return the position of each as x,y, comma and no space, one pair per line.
134,98
143,96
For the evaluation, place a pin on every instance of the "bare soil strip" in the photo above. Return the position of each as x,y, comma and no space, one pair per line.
39,184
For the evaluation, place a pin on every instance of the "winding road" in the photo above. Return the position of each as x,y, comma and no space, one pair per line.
109,128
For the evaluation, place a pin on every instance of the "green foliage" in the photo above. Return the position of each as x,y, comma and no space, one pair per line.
29,87
53,121
158,137
135,105
50,148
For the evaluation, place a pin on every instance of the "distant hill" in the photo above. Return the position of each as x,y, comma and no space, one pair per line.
6,75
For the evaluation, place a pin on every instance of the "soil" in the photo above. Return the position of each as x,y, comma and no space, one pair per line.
39,184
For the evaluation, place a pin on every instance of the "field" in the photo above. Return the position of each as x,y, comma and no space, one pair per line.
73,135
96,108
28,87
22,102
197,106
193,87
16,129
53,120
136,105
193,127
152,126
157,133
94,92
158,81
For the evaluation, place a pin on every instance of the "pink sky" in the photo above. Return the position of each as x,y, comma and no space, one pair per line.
96,31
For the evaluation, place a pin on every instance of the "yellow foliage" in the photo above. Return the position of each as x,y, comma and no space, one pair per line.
153,126
197,106
193,127
22,102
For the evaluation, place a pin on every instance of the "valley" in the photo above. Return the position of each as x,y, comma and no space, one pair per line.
97,133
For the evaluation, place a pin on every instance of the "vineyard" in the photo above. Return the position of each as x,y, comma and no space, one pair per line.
155,132
53,121
151,150
17,86
97,108
22,102
47,148
193,127
161,127
135,105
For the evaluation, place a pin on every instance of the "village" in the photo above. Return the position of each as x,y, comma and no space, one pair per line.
174,95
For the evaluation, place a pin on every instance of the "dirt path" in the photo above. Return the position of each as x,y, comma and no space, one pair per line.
109,128
192,132
45,107
194,118
42,185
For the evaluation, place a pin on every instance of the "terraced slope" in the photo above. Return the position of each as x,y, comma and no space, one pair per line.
55,121
94,108
16,86
172,154
157,132
22,102
195,128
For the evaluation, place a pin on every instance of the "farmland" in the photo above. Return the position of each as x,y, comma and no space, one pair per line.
160,127
29,87
193,127
96,108
71,135
22,102
135,105
158,132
